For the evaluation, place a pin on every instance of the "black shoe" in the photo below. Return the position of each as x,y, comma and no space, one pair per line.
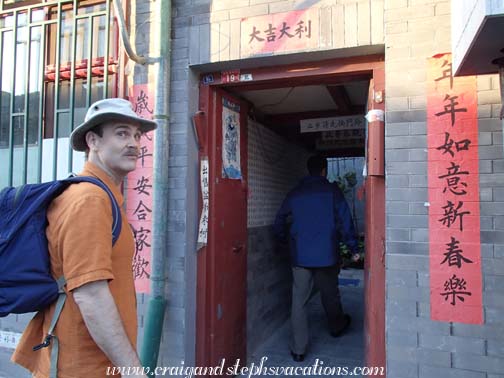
348,320
297,357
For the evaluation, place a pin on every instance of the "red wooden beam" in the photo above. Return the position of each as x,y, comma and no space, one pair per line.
337,79
333,71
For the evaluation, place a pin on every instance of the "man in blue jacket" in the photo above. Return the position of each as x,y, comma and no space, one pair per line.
320,219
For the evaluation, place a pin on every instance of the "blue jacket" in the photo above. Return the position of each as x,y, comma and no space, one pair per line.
320,220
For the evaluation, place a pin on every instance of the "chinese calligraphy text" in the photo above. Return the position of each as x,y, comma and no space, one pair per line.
290,31
454,215
139,192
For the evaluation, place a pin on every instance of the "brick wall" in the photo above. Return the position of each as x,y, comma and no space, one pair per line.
215,26
416,346
274,167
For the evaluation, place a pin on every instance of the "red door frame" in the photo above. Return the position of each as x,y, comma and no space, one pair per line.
327,72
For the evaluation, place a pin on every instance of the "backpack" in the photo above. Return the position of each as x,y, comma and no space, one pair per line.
26,284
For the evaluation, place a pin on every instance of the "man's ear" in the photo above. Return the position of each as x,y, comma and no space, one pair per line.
91,139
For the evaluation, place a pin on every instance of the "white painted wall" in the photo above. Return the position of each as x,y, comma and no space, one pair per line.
274,167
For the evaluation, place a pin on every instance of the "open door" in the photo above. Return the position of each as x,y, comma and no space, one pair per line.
221,323
222,264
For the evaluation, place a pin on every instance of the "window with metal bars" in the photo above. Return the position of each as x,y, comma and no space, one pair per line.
56,58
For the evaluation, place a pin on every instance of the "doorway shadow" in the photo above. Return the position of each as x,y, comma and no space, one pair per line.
324,351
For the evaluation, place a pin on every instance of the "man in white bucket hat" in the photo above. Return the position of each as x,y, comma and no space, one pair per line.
110,109
97,328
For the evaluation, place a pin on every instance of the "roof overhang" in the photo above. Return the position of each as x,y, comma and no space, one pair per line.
477,36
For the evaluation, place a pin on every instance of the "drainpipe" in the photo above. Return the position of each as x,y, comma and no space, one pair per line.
153,327
124,34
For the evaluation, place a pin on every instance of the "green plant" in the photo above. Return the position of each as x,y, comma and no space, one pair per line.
351,178
347,182
346,254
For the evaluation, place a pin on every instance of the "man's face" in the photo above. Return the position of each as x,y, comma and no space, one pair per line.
118,147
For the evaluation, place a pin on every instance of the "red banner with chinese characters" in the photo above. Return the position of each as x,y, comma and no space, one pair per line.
454,213
280,32
139,193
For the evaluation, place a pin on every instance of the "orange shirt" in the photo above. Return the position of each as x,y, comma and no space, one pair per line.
79,234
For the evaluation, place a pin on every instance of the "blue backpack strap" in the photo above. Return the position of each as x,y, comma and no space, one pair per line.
116,211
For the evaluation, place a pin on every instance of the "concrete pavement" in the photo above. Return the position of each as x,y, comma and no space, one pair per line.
344,351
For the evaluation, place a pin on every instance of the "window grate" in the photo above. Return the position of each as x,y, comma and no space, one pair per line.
56,58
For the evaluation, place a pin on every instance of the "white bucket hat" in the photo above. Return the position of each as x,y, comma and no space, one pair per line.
109,109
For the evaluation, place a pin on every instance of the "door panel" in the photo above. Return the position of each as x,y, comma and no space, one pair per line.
227,246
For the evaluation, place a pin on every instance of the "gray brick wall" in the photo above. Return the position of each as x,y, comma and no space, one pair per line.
416,346
215,26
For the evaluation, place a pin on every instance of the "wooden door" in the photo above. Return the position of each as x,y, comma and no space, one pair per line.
222,321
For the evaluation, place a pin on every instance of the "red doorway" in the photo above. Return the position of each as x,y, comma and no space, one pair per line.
222,264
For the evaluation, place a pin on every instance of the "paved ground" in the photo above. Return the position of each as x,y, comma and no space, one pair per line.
345,351
8,369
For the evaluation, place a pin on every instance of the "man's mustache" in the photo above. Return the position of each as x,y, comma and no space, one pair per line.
133,152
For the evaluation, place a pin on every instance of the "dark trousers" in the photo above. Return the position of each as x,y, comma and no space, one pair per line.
326,281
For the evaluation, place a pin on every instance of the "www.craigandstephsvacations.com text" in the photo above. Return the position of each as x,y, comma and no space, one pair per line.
318,368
